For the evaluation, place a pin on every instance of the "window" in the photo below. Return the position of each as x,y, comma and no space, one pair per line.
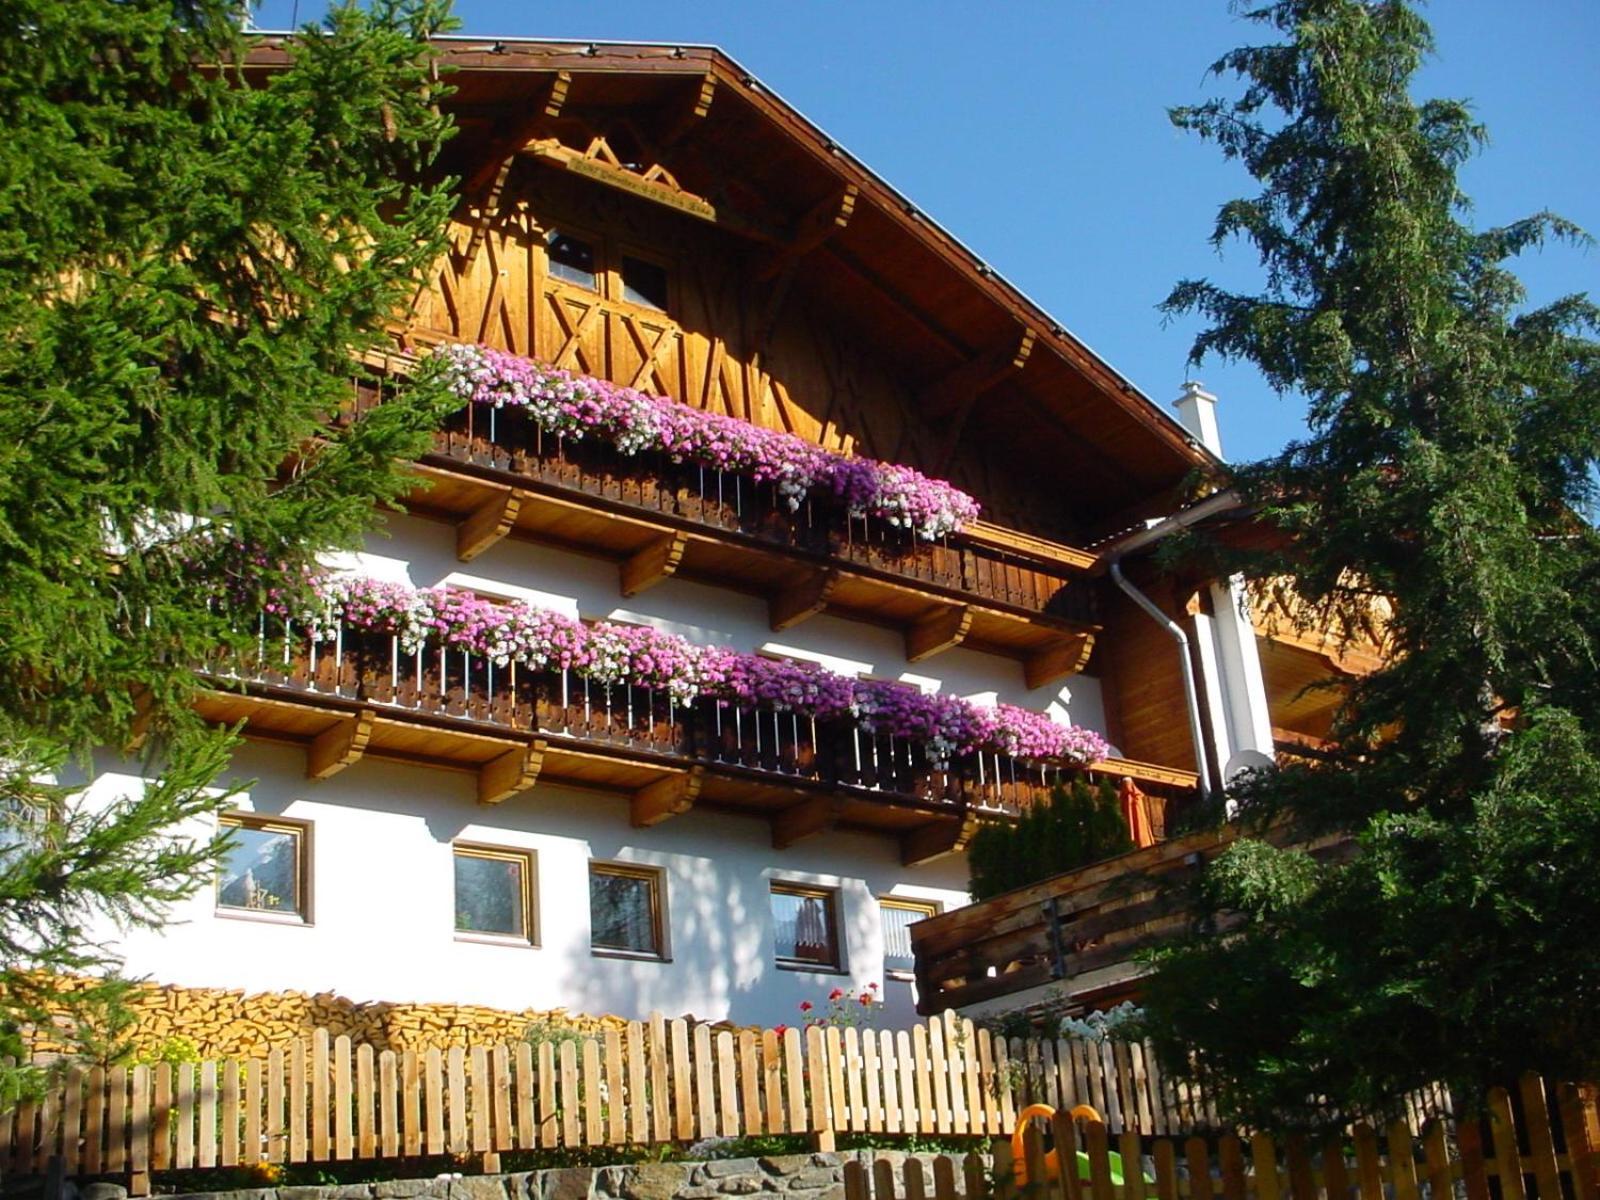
572,259
806,926
644,283
264,868
625,910
494,892
897,915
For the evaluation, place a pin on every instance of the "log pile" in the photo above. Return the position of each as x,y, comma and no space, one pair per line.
226,1023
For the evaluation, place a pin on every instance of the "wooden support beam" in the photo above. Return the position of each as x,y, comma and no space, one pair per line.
669,797
657,561
789,607
336,747
938,632
950,401
810,231
488,523
490,178
1068,657
693,114
803,820
937,840
514,771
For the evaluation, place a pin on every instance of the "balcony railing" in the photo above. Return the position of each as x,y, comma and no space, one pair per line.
760,745
508,440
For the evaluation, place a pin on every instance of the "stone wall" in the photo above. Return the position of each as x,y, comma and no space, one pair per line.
791,1176
221,1023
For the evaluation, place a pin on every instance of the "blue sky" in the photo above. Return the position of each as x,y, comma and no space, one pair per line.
1037,133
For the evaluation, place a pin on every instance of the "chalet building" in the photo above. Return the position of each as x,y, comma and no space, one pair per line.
428,823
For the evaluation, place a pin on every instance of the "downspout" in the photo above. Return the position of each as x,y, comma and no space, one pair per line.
1190,695
1212,506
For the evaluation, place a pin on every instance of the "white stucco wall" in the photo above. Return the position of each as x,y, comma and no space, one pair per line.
381,912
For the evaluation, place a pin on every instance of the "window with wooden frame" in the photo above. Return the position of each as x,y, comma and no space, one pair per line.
609,267
626,911
897,914
494,893
265,869
805,923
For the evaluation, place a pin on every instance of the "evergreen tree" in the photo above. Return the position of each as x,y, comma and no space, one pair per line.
188,259
1081,823
1452,440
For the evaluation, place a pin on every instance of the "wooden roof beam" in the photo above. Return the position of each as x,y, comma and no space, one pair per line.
806,819
514,771
951,398
668,797
491,177
691,118
824,220
941,630
341,744
657,561
937,840
488,523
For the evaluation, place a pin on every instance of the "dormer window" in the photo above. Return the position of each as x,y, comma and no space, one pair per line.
644,283
572,259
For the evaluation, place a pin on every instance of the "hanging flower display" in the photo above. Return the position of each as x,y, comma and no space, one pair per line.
639,656
577,406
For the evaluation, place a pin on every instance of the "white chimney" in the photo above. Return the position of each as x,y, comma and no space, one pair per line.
1197,411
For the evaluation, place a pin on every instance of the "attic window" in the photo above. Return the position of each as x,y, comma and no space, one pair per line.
644,283
572,259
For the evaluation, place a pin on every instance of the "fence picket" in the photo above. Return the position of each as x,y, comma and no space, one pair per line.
433,1084
567,1106
342,1098
816,1061
1065,1130
889,1063
71,1119
139,1130
478,1130
939,1075
1194,1152
927,1118
1503,1130
1098,1148
366,1123
500,1097
455,1111
275,1097
727,1087
855,1089
1302,1180
916,1186
1264,1157
704,1093
1369,1172
638,1106
682,1082
1580,1123
660,1108
184,1158
1166,1163
229,1150
411,1093
772,1081
549,1110
388,1104
1230,1167
1541,1142
616,1109
1403,1162
799,1119
321,1077
297,1101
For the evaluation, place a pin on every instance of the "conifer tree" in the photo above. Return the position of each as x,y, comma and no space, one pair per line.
1435,503
189,257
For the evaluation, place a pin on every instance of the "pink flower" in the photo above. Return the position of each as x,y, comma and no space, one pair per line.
866,999
872,987
806,1006
836,994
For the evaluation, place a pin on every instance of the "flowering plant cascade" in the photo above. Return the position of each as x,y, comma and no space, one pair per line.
577,406
643,657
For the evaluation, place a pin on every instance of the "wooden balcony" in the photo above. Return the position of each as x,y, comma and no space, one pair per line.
1080,930
495,474
362,693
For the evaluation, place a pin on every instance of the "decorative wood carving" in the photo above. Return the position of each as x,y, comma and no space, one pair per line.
488,524
514,771
657,561
341,744
939,631
1066,658
937,840
789,607
805,819
669,797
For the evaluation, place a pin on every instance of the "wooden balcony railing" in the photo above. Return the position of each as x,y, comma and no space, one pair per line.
751,756
1015,572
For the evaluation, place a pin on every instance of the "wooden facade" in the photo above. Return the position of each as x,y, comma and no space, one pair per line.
654,217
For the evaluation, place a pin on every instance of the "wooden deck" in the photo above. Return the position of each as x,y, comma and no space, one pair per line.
1081,929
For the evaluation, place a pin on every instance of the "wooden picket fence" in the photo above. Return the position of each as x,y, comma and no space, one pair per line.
322,1099
1520,1148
